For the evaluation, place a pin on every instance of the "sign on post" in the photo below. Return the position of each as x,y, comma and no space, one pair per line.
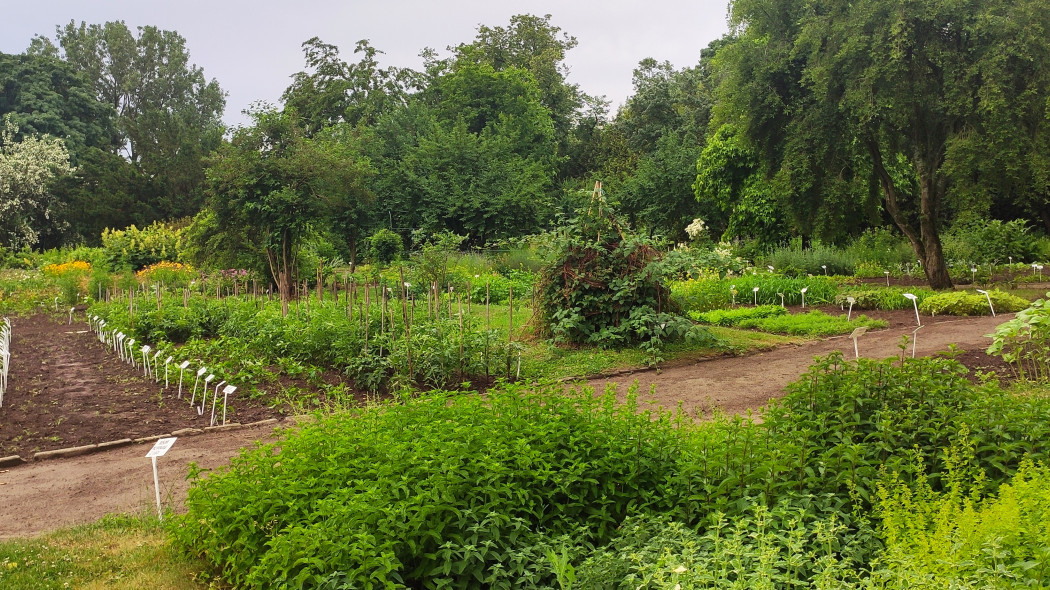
857,333
159,449
200,372
204,394
166,363
182,369
226,391
214,399
146,348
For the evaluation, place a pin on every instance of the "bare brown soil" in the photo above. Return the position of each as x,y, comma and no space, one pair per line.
68,389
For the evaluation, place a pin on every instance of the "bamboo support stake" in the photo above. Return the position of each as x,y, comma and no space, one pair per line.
364,316
510,326
460,300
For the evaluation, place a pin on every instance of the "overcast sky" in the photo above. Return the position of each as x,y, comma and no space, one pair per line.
252,47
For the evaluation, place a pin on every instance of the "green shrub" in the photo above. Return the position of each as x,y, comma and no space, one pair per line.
497,287
133,248
686,263
814,323
881,248
982,241
1024,341
439,492
963,303
605,287
949,539
780,547
385,247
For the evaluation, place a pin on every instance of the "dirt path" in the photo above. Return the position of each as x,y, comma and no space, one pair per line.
735,385
43,495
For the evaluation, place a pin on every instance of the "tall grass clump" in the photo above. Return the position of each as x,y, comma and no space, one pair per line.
819,259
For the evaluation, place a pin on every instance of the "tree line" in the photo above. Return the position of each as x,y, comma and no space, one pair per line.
812,120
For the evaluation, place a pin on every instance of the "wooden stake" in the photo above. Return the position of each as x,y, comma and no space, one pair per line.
510,326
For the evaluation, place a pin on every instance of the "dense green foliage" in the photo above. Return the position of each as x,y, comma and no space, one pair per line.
705,295
882,298
952,539
848,100
422,496
455,490
385,247
964,303
768,140
814,323
733,316
272,185
604,286
384,346
132,248
1024,341
775,319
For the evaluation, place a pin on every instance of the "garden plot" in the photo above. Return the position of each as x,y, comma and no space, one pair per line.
67,389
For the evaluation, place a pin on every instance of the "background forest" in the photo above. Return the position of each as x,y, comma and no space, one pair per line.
807,123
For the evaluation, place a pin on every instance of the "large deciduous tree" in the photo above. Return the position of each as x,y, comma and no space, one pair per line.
835,92
663,123
533,44
279,182
334,91
168,114
46,96
27,170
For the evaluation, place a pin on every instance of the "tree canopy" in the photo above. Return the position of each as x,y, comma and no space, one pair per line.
835,95
27,169
277,183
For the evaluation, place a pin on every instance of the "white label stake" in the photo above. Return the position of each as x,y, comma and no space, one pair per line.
158,450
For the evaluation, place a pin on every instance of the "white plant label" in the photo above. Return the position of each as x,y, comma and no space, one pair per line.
161,447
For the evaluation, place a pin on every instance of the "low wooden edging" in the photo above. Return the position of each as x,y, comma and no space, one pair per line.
15,460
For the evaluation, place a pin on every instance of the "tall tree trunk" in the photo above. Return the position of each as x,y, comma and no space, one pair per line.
1044,215
925,240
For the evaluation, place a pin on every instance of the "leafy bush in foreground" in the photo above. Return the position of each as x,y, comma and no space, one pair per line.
781,547
950,540
463,492
457,491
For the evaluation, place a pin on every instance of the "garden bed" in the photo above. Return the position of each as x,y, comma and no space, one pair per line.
67,389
